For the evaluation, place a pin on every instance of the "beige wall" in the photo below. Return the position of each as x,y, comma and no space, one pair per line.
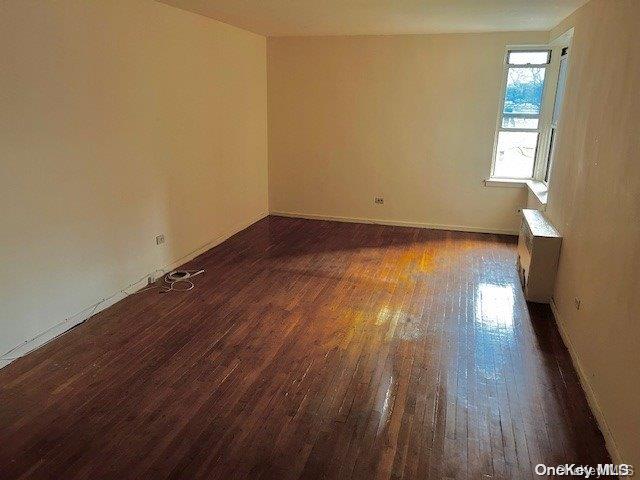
119,121
594,200
409,117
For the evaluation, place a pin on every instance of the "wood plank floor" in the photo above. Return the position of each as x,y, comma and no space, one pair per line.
308,349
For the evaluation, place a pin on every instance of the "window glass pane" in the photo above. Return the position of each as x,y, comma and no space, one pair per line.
523,58
515,154
524,90
562,80
512,121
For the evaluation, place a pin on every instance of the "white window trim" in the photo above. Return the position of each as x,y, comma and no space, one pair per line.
537,188
536,183
503,87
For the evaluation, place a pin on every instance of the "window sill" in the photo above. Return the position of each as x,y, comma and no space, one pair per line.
539,190
536,187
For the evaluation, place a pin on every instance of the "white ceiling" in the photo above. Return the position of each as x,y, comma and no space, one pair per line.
382,17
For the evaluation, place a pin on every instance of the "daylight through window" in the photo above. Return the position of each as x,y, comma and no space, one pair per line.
520,125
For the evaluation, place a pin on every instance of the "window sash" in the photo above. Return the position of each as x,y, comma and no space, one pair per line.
535,116
527,65
514,129
525,50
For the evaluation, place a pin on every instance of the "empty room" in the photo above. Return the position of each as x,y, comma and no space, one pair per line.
337,239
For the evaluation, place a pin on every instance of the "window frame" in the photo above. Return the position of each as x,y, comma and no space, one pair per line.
543,106
552,132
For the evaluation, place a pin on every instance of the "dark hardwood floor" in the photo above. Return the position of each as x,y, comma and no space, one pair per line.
308,349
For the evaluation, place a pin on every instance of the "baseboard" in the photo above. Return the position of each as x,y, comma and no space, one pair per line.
397,223
592,399
212,243
58,329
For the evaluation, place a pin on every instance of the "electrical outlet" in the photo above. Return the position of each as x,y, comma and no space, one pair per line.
378,200
159,239
577,302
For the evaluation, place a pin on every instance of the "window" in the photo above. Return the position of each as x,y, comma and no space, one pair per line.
529,113
557,107
520,124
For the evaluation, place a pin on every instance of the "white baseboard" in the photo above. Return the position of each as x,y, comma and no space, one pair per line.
592,399
79,317
398,223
